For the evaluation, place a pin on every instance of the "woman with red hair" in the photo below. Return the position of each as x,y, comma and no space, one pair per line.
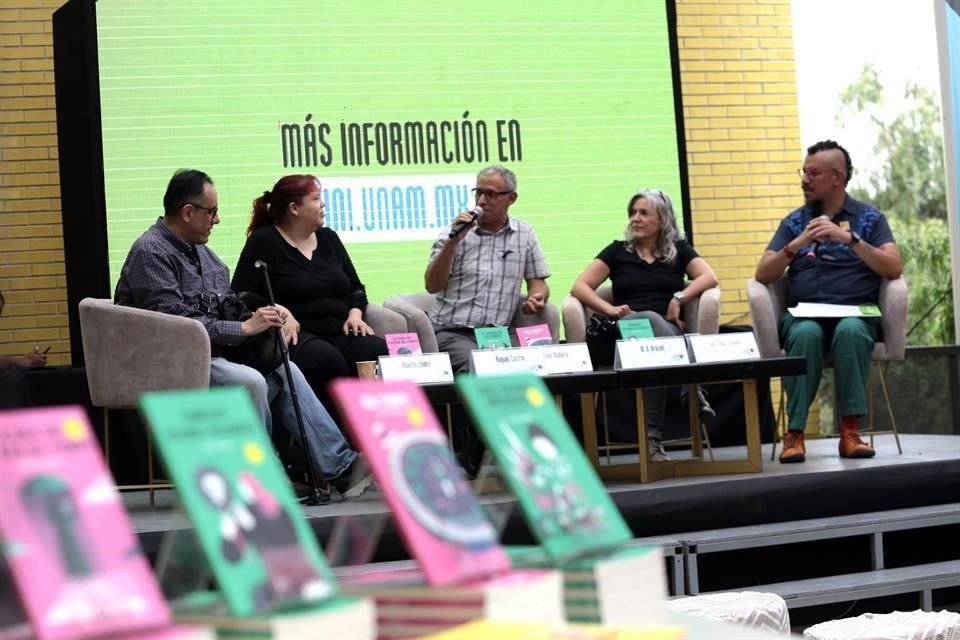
312,276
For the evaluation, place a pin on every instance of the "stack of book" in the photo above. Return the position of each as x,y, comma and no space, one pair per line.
462,571
485,630
580,530
273,580
614,587
67,545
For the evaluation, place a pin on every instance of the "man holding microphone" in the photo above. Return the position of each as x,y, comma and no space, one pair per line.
836,250
476,267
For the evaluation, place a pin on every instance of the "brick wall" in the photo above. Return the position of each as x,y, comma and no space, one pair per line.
31,244
742,132
742,129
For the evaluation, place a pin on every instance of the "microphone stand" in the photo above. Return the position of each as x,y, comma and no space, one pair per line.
317,497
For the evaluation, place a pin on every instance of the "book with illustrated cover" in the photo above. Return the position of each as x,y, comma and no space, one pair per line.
260,549
492,338
64,534
403,344
635,329
433,505
563,500
536,336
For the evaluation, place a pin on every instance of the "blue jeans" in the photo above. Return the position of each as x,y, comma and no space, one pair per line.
329,451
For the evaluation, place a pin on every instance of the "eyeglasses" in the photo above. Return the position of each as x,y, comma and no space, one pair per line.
803,172
489,193
210,210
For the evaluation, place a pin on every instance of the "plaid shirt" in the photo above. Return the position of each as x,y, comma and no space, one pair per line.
163,273
486,274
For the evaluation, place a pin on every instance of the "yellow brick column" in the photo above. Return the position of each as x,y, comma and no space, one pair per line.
742,128
31,239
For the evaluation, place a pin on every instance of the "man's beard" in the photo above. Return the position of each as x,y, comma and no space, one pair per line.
816,204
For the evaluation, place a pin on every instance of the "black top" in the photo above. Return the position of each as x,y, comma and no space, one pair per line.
319,292
645,286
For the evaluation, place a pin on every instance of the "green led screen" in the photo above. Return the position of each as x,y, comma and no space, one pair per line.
395,106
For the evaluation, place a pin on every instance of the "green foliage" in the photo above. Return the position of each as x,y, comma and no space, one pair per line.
909,186
910,182
925,247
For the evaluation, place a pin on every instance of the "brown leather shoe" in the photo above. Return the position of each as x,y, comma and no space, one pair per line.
793,448
851,446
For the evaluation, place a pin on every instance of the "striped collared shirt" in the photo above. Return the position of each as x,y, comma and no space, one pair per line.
486,275
163,273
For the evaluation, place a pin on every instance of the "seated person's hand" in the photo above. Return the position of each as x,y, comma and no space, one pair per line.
291,327
35,358
262,319
620,311
673,314
533,304
355,326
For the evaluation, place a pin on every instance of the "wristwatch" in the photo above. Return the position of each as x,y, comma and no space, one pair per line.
678,296
854,239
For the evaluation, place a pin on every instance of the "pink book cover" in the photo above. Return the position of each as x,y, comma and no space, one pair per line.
535,336
443,526
403,344
66,538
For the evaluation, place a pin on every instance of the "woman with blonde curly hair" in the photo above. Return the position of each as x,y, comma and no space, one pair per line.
654,272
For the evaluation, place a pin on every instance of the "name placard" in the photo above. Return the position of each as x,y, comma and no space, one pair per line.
421,368
543,360
722,347
657,352
491,362
572,357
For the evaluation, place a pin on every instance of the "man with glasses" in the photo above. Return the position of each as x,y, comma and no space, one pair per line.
836,250
171,270
477,272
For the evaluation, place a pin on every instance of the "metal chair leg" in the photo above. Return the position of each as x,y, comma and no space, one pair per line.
886,397
150,482
777,432
606,430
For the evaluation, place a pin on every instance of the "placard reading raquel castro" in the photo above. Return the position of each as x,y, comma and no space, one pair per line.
395,109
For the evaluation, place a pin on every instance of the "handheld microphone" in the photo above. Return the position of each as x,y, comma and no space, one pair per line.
458,228
816,243
260,264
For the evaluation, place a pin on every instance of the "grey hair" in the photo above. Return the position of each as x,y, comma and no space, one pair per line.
509,178
666,249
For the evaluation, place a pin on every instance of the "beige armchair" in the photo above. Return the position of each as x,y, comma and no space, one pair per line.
383,320
768,302
701,315
129,351
415,307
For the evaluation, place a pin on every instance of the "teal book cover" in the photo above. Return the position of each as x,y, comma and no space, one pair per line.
234,490
562,498
492,337
635,329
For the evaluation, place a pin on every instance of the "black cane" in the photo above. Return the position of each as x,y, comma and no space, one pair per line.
318,497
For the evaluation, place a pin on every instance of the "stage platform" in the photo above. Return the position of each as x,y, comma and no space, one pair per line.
927,473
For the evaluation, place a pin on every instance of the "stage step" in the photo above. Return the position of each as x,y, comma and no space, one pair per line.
922,578
675,555
874,524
